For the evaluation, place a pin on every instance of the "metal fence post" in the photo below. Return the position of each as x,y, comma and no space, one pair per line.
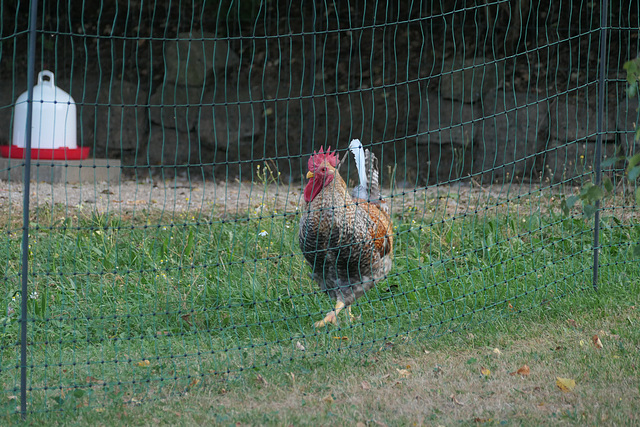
598,168
312,84
25,210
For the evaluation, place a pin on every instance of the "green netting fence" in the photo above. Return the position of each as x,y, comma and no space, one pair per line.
169,257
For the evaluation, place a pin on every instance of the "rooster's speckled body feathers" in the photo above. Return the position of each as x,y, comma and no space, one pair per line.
347,239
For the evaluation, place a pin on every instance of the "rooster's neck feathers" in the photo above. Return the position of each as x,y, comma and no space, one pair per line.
368,188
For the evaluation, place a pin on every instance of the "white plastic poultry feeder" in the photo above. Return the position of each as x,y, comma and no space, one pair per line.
53,124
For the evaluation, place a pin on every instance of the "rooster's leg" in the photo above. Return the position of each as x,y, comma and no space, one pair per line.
352,317
332,316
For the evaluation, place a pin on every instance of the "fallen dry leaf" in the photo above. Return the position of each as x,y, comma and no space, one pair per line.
328,399
260,379
456,401
596,341
93,380
485,371
300,346
572,323
365,385
524,371
143,363
187,319
565,384
341,338
438,370
404,373
497,351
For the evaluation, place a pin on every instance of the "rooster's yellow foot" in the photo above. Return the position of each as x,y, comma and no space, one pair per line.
331,317
352,317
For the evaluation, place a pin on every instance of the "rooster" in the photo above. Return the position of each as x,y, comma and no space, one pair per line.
346,238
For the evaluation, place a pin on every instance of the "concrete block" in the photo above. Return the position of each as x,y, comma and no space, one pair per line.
62,171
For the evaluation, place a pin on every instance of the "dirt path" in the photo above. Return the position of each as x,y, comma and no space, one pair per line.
241,199
235,198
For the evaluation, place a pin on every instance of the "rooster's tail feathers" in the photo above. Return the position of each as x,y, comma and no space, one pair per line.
367,165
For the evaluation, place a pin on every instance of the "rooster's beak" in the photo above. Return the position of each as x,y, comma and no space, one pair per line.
309,175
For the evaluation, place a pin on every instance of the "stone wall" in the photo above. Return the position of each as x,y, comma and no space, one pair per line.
464,121
471,125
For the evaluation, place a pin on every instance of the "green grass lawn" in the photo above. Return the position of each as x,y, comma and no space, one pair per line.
132,318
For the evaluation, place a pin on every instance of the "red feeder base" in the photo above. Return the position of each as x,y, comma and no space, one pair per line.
63,153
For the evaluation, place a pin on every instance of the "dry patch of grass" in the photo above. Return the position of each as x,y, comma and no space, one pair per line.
474,378
470,382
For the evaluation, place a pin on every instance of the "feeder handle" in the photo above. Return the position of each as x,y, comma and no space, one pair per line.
45,73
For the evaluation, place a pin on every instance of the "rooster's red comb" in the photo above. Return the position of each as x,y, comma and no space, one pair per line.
321,156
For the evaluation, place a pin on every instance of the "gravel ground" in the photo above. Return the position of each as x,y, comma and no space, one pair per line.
234,198
131,196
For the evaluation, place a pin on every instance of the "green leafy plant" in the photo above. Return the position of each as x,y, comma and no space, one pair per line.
592,193
633,78
268,174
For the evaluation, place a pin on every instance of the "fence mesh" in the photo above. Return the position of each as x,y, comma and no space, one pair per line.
170,256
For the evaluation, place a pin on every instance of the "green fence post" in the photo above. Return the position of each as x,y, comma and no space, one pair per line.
598,168
25,211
